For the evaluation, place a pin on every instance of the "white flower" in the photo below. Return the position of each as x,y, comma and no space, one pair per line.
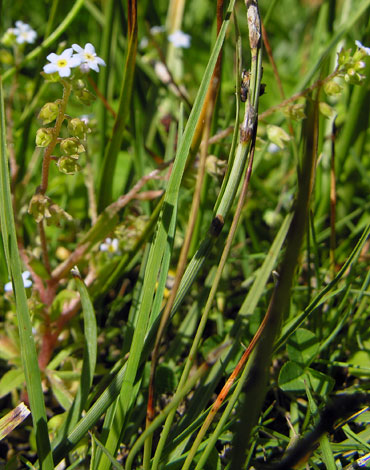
24,33
86,118
273,148
62,63
26,282
180,39
89,59
143,43
110,246
157,29
362,47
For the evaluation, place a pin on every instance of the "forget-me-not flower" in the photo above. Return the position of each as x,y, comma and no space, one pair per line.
89,59
362,47
62,63
180,39
26,282
110,246
24,33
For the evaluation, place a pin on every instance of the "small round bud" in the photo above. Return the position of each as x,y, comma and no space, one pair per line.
295,111
39,207
71,145
332,88
44,136
78,128
5,57
48,113
326,109
9,37
277,135
68,165
85,96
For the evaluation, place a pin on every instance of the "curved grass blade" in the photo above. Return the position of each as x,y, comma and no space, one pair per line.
28,348
110,157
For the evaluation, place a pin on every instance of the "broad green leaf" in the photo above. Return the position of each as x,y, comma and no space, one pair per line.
291,378
302,347
11,380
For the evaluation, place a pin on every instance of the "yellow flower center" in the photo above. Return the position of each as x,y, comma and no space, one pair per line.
62,63
88,56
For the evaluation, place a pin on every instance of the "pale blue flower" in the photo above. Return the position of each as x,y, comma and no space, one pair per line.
157,30
362,47
62,63
110,246
24,33
89,59
26,282
180,39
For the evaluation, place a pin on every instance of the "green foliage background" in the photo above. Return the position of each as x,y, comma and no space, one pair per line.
84,366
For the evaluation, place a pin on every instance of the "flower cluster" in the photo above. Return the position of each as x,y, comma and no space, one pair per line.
352,65
22,33
75,56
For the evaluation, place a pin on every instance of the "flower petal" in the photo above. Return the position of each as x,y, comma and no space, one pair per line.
93,66
67,53
100,61
52,57
64,71
77,48
89,48
50,68
8,287
74,61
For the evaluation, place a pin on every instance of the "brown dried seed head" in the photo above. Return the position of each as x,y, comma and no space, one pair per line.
253,23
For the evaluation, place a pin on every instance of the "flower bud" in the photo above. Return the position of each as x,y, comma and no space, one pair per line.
38,207
44,136
57,214
332,88
84,96
71,145
277,135
68,164
48,113
326,109
5,57
79,84
78,128
344,57
9,37
295,111
353,77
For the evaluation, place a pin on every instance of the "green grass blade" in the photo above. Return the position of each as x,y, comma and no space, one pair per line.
110,157
264,273
89,358
28,348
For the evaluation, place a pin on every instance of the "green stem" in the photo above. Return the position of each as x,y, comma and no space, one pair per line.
67,87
